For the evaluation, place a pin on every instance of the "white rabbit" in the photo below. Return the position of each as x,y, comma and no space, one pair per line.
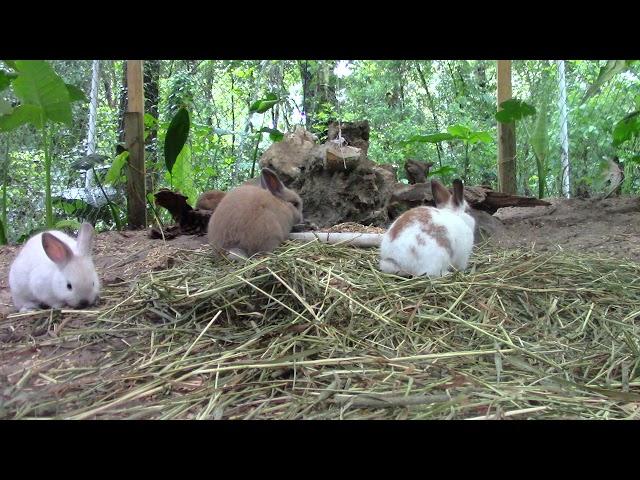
251,219
53,270
427,240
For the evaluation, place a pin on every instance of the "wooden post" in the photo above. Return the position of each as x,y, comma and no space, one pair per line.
134,138
506,134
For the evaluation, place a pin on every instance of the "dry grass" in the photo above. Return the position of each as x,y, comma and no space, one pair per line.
317,331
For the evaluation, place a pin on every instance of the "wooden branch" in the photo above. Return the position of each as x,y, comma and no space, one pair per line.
365,240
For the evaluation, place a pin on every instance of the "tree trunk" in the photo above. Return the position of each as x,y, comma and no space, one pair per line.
318,88
506,134
122,105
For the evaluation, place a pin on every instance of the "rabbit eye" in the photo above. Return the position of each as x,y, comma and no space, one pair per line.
68,286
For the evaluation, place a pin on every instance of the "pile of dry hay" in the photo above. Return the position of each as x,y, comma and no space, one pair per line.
316,331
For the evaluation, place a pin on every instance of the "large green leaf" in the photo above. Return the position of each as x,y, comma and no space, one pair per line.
38,84
460,131
22,114
176,137
182,174
626,129
75,94
606,73
480,136
115,171
514,109
261,106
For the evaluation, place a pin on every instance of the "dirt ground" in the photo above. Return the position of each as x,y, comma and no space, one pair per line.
610,226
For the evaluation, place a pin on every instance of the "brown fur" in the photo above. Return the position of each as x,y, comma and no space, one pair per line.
441,195
422,216
458,192
254,219
210,200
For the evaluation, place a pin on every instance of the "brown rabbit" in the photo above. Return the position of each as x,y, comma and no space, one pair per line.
210,200
252,219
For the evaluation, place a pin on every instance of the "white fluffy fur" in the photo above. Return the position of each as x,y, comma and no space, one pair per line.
35,280
432,259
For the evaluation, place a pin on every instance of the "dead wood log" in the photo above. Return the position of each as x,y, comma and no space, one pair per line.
479,197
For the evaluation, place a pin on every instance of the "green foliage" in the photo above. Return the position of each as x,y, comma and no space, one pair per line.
513,110
606,73
181,176
432,138
38,85
114,175
69,224
176,137
626,129
22,115
261,106
399,98
275,135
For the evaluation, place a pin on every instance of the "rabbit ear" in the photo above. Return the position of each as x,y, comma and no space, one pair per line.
270,181
85,238
458,192
440,194
58,251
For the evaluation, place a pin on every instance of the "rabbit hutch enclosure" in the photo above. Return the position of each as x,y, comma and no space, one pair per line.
543,323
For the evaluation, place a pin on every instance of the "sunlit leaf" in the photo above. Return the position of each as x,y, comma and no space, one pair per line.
38,84
20,115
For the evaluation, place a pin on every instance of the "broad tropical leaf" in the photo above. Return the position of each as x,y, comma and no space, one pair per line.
182,175
38,84
20,115
176,137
